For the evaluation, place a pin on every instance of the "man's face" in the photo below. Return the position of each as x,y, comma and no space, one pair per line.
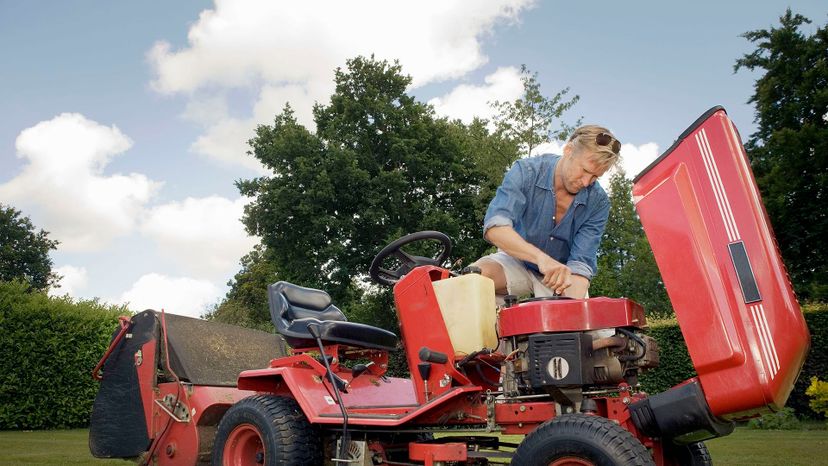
580,170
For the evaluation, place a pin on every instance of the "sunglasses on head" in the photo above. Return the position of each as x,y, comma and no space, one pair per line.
605,139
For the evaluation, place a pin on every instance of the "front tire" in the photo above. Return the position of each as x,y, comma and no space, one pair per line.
694,454
582,440
269,430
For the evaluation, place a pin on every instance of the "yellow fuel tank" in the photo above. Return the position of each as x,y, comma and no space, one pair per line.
469,311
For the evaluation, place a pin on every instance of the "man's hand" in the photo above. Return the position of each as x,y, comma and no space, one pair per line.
556,276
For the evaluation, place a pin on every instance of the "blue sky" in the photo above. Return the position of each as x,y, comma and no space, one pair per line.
123,123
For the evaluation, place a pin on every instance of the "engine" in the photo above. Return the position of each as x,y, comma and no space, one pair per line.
567,363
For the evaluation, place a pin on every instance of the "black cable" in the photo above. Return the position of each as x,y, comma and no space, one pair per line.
483,376
313,329
638,339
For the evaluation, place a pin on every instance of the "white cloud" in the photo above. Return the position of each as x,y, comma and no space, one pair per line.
181,295
208,110
467,101
288,51
552,147
64,186
226,142
636,158
73,280
633,160
204,235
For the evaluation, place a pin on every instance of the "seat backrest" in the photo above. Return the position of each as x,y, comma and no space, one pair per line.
289,302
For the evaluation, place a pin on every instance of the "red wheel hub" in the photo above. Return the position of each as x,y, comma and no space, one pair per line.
244,447
571,461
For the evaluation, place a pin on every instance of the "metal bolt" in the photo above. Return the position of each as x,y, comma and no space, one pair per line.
171,450
522,408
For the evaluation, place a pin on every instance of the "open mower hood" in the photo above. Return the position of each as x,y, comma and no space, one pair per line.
712,240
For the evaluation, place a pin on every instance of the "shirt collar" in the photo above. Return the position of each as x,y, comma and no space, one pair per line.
546,173
545,179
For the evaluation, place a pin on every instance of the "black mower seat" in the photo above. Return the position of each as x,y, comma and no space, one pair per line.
293,308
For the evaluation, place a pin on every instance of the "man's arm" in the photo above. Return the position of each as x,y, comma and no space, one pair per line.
556,276
579,287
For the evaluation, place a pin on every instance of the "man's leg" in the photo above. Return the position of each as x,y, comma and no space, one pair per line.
508,274
493,270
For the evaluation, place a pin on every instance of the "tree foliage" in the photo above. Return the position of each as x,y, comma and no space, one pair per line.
24,251
379,165
789,150
530,120
246,302
626,266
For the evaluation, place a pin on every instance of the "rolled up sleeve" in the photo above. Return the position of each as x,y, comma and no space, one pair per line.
509,202
584,251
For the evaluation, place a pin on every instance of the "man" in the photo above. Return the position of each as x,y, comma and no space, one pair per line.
548,217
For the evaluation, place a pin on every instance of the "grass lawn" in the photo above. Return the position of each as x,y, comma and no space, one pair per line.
53,447
743,447
771,447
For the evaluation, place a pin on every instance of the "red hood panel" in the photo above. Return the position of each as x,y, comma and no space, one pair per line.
714,246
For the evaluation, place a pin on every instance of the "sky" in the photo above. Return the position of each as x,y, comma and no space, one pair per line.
124,124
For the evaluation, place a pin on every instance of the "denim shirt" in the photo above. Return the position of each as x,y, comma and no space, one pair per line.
526,202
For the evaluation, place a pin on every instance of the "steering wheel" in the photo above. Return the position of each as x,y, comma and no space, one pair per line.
389,277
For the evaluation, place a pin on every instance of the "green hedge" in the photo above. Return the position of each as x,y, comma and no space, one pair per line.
675,363
49,347
816,315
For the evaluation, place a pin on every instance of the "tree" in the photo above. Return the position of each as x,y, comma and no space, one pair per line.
246,302
789,150
626,266
24,252
517,128
530,120
379,165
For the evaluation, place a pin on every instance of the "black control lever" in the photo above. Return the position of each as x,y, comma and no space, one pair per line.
428,355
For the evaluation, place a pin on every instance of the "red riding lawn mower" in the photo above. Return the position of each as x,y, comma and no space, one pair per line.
180,391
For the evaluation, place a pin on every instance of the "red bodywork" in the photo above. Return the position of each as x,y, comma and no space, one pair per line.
703,216
704,219
576,315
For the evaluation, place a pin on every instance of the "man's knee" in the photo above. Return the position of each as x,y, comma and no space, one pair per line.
494,271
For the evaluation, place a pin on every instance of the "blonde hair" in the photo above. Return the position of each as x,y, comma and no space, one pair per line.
584,138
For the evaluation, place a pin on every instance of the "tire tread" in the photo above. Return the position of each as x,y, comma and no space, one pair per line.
601,432
296,441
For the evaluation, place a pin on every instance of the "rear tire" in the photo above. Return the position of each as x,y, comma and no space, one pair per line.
269,430
694,454
583,440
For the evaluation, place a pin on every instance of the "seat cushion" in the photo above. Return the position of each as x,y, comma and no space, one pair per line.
344,333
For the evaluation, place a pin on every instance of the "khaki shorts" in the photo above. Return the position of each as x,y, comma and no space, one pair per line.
520,281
